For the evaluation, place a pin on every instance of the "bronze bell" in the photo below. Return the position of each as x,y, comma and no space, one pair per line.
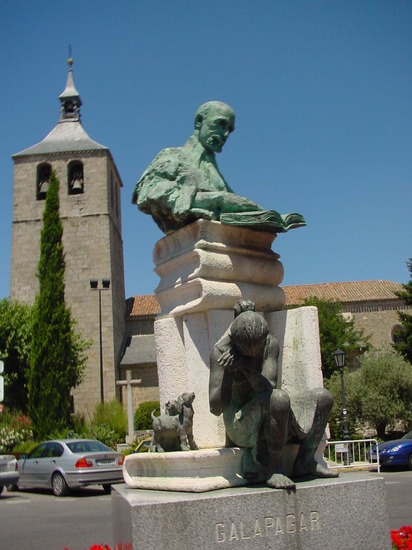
44,186
77,186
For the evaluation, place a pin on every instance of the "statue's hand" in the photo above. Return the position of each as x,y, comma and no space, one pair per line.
227,359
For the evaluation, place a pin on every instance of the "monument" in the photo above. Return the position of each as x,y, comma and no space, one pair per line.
253,475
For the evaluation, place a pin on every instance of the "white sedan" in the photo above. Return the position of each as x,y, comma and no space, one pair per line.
8,471
64,464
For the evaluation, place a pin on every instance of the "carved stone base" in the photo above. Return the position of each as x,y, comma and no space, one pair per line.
207,265
194,471
348,512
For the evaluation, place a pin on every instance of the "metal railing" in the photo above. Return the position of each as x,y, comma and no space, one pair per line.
351,453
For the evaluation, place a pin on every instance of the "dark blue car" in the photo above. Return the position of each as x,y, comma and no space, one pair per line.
394,453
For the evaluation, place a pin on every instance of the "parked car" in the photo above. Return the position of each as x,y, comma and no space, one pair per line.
394,453
65,464
8,471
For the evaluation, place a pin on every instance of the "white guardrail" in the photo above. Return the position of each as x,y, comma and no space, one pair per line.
352,453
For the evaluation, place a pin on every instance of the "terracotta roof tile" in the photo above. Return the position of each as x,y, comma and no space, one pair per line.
358,291
349,292
142,306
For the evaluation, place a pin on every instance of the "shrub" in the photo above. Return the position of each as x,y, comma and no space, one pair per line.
65,433
79,423
15,428
142,416
25,447
105,434
112,415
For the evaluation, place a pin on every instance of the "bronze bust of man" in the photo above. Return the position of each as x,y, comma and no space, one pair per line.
183,184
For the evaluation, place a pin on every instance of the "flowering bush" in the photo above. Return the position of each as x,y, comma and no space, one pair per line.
15,431
402,538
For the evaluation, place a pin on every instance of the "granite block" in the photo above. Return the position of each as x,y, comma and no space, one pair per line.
348,512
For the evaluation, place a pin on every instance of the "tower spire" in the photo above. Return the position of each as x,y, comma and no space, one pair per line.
70,99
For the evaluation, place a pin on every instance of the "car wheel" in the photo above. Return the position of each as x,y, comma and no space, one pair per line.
1,488
59,485
12,488
410,462
107,488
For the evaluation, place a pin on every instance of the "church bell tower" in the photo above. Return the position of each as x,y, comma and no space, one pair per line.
90,209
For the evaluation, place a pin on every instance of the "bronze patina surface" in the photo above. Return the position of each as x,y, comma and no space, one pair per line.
183,184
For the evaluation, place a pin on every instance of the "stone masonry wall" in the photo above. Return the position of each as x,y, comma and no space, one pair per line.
93,250
378,320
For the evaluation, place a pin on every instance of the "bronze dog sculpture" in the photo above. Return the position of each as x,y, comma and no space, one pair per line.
173,430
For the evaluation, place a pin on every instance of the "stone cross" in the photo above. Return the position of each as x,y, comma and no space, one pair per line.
129,383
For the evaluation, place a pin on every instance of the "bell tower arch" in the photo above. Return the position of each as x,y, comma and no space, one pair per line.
90,187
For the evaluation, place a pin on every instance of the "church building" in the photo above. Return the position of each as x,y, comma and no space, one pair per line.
90,188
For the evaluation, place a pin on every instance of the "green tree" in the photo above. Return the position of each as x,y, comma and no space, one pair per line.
57,352
378,394
336,332
15,342
143,414
403,343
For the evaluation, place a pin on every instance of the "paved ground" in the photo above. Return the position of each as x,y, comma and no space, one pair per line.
398,497
36,520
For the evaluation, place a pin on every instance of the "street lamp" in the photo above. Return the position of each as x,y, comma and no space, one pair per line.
339,357
94,285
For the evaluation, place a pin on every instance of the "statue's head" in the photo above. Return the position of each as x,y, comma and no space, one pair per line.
214,121
249,332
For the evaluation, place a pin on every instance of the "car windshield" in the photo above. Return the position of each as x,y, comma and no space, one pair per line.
91,446
407,436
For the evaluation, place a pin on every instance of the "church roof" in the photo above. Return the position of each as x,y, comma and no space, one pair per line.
145,305
68,134
65,136
141,351
345,293
348,292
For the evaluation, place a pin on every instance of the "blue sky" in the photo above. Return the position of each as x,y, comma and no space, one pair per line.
321,91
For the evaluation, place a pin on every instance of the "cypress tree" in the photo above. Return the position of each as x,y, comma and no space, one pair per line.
57,352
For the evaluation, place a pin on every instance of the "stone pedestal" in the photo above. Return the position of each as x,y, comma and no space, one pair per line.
205,268
348,512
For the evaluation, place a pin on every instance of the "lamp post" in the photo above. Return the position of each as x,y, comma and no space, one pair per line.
339,357
94,285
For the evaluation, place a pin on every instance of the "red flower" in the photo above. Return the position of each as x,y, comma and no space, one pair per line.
402,538
128,546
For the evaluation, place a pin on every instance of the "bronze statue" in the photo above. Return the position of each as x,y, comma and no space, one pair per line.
245,387
183,184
